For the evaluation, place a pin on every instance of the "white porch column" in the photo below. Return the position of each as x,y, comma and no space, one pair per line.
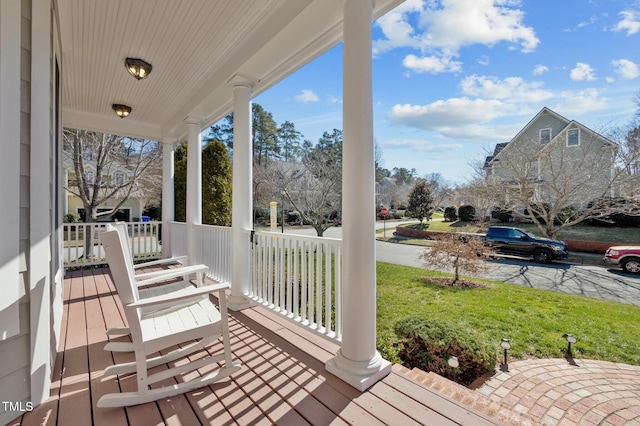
194,184
358,362
168,200
242,205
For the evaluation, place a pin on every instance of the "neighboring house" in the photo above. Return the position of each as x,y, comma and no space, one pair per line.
550,150
130,210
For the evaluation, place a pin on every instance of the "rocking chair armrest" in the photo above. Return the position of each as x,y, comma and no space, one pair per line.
177,259
167,274
180,295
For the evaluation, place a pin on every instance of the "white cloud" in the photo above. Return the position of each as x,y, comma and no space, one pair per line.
582,72
540,69
484,60
583,24
511,89
432,64
442,27
576,103
334,100
452,24
397,29
630,22
418,145
626,69
448,113
306,96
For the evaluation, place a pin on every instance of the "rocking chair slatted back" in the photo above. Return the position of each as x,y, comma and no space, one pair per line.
120,266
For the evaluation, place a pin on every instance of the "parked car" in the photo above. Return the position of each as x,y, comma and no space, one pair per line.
628,257
516,241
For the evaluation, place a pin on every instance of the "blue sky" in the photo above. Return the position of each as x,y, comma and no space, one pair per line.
454,77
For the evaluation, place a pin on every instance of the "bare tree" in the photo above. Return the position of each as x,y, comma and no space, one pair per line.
99,162
440,189
313,186
314,191
463,255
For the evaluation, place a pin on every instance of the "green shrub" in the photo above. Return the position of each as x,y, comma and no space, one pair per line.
503,215
467,213
428,344
71,218
450,214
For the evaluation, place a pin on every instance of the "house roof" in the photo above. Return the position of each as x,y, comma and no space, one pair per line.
500,147
195,47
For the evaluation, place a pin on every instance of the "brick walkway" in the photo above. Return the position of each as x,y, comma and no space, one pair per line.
552,392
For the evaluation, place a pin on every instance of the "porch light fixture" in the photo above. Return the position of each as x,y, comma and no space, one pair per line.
121,111
506,345
570,339
138,68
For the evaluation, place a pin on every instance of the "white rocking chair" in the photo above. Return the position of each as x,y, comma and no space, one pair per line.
152,278
197,321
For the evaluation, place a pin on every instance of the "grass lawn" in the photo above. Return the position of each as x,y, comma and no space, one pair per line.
534,320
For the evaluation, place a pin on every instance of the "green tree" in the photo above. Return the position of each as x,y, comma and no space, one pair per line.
180,182
223,131
404,175
420,201
216,184
265,141
289,141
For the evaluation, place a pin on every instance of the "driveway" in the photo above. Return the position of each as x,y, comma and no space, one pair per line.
585,280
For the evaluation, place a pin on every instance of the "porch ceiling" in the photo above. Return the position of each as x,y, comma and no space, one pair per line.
195,48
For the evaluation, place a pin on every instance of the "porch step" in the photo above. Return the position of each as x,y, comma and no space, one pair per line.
469,397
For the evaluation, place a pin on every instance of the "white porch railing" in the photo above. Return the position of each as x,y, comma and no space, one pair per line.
144,236
213,248
296,276
299,277
178,238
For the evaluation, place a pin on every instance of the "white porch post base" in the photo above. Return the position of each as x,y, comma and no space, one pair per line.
238,303
359,374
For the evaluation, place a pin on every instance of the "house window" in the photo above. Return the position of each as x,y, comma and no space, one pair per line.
119,179
545,136
573,137
89,177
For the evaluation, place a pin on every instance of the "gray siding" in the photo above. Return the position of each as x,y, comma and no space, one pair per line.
15,381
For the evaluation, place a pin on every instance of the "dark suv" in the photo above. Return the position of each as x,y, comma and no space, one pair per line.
519,242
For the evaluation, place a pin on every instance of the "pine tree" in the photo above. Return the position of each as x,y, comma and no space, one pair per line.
420,201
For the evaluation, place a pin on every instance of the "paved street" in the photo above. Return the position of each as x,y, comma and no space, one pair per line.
586,280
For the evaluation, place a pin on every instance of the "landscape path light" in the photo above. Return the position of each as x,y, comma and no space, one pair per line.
454,364
570,340
506,345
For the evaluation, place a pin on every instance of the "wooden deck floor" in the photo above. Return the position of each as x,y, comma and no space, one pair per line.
282,381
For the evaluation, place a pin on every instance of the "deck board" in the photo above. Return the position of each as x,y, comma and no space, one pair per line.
282,380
